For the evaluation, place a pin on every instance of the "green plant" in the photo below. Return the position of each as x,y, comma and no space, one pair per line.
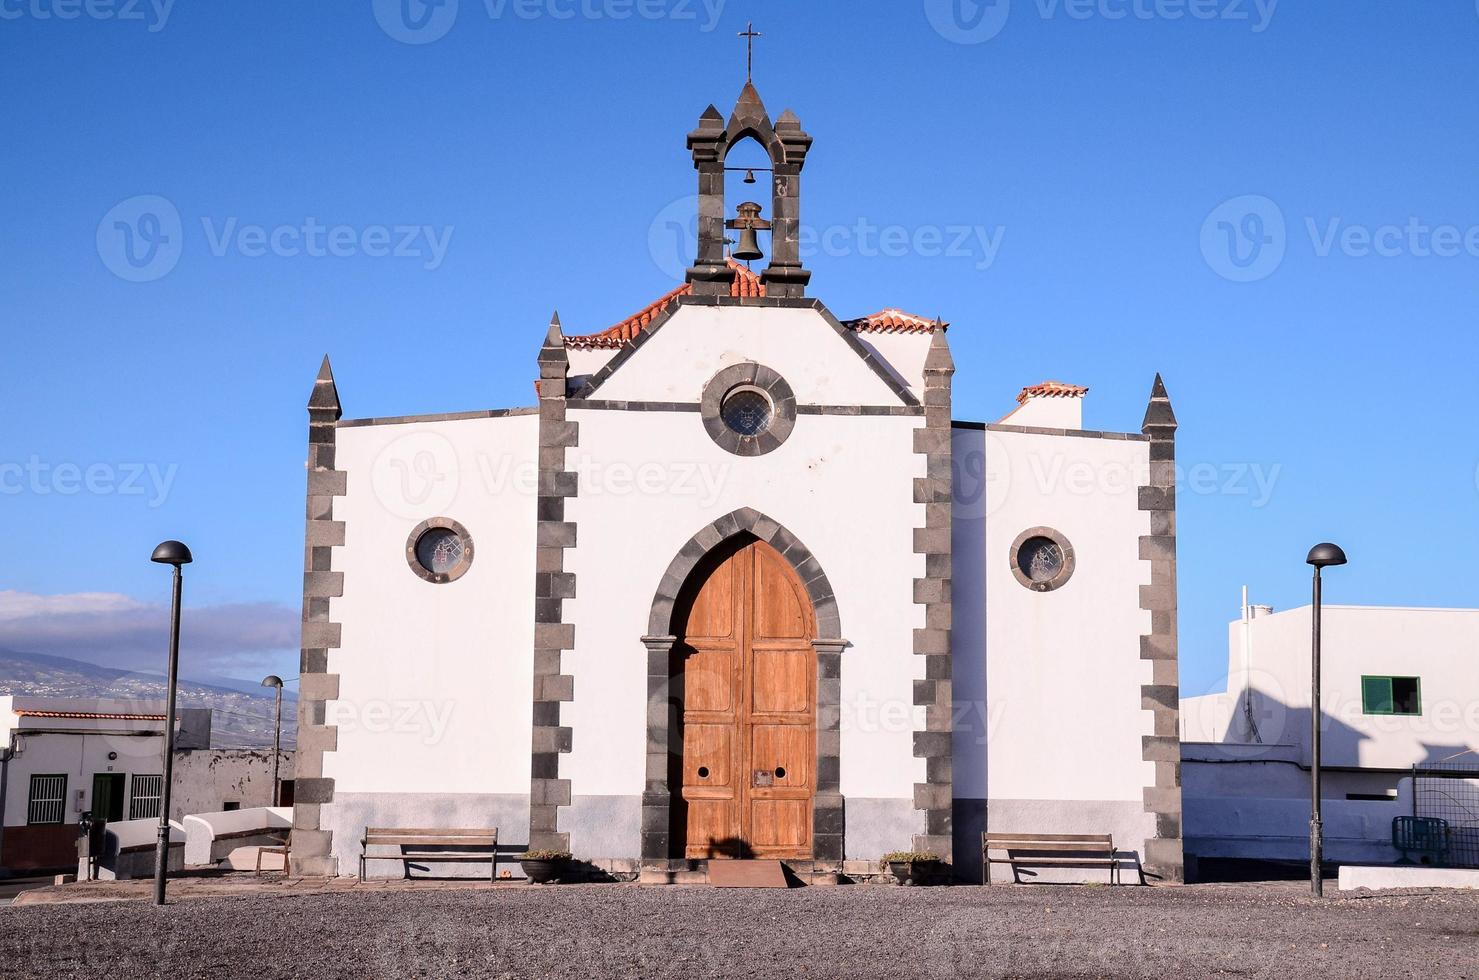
911,857
545,856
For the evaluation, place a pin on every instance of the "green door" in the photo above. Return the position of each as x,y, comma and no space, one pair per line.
107,796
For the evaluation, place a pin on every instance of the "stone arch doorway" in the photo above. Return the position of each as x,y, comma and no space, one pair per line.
738,543
743,777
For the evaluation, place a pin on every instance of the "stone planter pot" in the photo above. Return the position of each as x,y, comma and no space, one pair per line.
914,872
542,872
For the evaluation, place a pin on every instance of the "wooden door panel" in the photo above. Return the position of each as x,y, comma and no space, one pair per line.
708,760
709,681
785,753
780,683
749,712
780,827
780,607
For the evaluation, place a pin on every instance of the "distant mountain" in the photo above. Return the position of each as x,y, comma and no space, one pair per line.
240,718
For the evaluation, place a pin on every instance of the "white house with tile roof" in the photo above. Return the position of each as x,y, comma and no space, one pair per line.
740,585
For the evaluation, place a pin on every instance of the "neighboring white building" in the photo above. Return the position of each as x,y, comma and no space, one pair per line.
1400,688
63,757
740,583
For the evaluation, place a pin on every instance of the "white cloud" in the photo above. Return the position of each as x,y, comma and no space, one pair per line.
119,631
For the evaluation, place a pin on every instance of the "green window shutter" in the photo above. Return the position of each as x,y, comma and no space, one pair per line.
1376,695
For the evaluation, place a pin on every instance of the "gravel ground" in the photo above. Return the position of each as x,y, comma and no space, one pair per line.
850,932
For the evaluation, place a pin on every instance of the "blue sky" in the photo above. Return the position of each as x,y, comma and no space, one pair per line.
1082,154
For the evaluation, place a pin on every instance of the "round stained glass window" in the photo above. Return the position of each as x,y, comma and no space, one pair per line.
747,411
439,550
1040,559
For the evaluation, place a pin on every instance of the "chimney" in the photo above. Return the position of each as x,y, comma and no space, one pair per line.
1050,405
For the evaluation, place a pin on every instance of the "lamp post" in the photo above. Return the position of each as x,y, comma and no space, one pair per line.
176,554
272,680
1321,556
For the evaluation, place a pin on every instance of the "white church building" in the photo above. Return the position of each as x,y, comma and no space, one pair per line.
741,585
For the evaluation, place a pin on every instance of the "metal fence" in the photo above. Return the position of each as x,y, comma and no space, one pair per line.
1450,793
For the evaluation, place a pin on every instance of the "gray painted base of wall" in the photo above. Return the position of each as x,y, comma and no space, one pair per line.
351,813
604,827
1126,820
876,826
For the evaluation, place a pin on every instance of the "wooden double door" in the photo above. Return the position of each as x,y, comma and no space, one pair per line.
748,668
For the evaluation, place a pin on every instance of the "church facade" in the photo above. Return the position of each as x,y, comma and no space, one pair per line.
741,585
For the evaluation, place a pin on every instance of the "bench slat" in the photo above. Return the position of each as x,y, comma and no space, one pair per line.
1056,847
1096,838
431,841
1065,862
431,831
443,856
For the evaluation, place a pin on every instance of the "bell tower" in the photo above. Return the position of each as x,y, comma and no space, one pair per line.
786,143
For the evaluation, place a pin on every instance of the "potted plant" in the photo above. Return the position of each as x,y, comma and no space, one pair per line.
912,867
542,867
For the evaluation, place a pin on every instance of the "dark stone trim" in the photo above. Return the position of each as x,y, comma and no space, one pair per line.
746,520
749,375
934,643
665,696
1070,559
552,586
1164,856
492,413
679,407
426,574
1033,430
313,847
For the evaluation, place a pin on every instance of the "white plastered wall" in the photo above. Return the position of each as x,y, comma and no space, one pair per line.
1050,682
435,680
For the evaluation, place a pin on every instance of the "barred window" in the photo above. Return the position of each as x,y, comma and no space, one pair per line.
48,799
148,792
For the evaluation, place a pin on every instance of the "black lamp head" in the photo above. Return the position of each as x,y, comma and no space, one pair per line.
1325,555
172,553
272,680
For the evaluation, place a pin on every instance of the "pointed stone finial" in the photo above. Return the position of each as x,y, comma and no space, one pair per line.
1160,420
938,360
324,401
554,361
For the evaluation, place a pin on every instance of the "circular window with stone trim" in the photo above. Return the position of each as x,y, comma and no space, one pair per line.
439,550
1042,559
748,409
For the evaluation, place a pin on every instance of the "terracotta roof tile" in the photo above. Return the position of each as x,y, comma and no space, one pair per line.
747,285
1051,389
894,321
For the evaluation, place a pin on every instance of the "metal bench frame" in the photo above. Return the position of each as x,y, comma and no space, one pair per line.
1050,851
431,845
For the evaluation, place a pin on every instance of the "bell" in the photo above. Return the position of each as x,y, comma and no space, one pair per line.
749,246
750,177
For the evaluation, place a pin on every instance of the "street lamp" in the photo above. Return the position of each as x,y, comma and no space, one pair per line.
176,554
272,680
1321,556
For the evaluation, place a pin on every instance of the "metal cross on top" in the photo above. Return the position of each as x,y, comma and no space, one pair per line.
749,34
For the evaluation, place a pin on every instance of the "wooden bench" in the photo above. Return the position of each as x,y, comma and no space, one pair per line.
433,845
1050,851
285,850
